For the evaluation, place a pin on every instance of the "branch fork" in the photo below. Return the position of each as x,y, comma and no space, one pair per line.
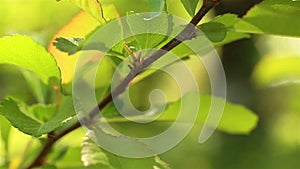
138,64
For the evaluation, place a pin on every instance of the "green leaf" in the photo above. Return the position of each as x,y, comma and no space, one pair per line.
24,52
273,71
156,6
72,159
91,154
144,163
236,119
137,6
215,31
277,17
150,32
69,45
190,6
94,7
4,132
221,29
16,113
65,113
36,85
11,110
42,112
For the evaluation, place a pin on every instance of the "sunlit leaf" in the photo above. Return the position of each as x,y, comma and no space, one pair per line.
278,17
274,71
75,28
236,119
10,109
38,18
24,52
137,6
36,85
176,8
65,113
221,31
190,6
91,154
41,112
150,32
156,6
215,31
16,113
4,132
94,7
69,45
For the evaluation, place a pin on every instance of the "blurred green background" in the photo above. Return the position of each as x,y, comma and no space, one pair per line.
274,144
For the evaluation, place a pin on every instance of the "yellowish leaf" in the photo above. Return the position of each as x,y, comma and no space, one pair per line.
80,26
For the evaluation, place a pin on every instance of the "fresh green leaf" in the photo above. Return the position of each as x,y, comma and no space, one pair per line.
236,119
37,87
43,113
94,7
91,154
137,6
4,132
221,30
176,8
16,113
145,163
215,31
277,17
65,113
149,33
24,52
72,160
277,71
11,110
156,6
190,6
146,73
69,45
231,37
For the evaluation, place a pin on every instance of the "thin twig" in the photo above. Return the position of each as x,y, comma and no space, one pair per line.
41,158
187,33
101,11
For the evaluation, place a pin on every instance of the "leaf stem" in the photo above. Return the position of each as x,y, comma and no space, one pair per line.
186,34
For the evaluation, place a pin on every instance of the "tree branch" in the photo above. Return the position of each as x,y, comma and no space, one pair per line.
186,34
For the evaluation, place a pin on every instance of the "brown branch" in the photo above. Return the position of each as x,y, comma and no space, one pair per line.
41,158
186,34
